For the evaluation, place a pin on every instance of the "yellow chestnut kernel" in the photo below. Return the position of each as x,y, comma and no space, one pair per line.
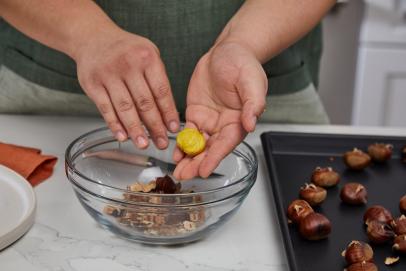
191,141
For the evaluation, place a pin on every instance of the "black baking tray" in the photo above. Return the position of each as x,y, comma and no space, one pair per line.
291,158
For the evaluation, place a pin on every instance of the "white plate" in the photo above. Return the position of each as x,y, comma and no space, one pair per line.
17,206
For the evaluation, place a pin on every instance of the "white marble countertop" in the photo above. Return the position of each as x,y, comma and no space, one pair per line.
65,237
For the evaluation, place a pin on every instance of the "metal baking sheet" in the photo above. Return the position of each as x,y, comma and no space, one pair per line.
291,158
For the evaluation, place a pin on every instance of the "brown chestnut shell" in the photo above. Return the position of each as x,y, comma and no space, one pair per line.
356,159
378,213
313,194
357,252
402,205
399,244
315,226
399,225
325,177
362,266
379,233
354,194
380,152
298,209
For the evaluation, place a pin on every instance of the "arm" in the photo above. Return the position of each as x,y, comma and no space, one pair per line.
121,72
267,27
227,91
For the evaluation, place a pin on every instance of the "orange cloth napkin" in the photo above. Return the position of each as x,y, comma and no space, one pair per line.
28,162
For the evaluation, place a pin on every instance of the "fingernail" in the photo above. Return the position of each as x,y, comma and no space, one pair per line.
161,142
173,126
141,142
121,136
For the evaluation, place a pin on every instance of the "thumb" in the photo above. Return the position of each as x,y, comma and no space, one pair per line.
252,89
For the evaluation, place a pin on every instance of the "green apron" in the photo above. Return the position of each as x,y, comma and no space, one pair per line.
183,30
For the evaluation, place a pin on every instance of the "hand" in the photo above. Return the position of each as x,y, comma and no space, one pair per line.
124,76
226,95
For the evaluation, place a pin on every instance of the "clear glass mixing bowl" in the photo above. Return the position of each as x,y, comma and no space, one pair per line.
200,207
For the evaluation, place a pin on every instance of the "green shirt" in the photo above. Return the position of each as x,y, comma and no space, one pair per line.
183,30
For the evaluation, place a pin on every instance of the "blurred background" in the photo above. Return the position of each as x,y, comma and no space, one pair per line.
363,69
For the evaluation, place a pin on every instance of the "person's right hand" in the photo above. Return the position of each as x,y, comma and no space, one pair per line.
125,77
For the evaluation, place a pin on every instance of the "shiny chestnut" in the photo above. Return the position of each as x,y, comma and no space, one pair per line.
354,194
298,210
380,152
313,194
399,225
325,177
403,154
314,226
379,233
402,205
356,159
362,266
357,252
377,213
399,244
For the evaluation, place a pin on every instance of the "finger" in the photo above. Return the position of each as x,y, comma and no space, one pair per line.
252,88
229,137
125,109
161,90
191,169
102,100
148,110
179,167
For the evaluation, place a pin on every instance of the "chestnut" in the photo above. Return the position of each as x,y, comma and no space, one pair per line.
362,266
354,194
315,226
358,252
325,177
403,154
380,152
378,213
400,243
298,210
399,225
313,194
356,159
379,232
402,205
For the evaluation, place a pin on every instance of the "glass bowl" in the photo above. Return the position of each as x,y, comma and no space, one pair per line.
198,207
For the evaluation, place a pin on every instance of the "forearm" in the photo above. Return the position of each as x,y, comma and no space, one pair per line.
64,25
269,26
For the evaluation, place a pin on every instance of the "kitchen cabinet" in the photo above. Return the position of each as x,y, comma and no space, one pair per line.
380,90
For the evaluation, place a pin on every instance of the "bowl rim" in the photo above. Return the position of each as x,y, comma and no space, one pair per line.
68,164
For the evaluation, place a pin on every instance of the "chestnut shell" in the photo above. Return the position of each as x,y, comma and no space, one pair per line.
399,244
298,209
315,226
380,152
377,213
362,266
358,252
325,177
402,205
313,194
354,194
379,233
399,225
356,159
165,185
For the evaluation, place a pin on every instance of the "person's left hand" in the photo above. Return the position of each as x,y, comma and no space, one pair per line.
226,95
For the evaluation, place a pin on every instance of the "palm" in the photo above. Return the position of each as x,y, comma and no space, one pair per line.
215,106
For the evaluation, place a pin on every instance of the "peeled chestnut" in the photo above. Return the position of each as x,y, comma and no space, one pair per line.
358,252
354,194
313,194
362,266
356,159
380,152
399,225
315,226
377,213
325,177
402,205
379,232
400,243
298,210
